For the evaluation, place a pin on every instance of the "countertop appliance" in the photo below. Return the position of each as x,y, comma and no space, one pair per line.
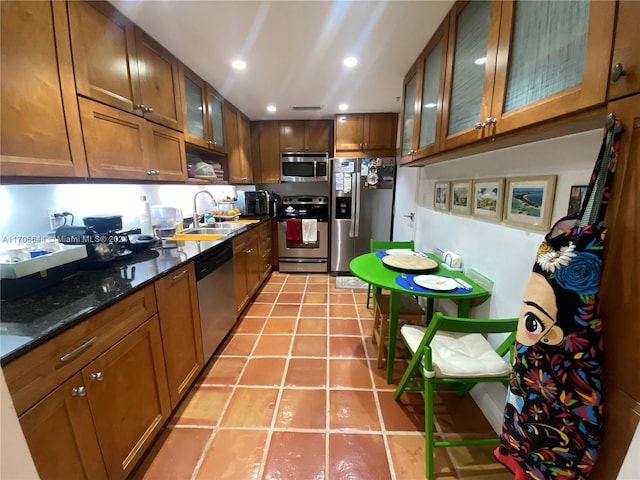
216,297
361,206
303,246
304,167
253,203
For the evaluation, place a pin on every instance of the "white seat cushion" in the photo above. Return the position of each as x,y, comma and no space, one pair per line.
458,354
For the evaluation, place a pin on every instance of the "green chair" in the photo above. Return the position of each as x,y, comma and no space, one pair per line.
453,354
377,246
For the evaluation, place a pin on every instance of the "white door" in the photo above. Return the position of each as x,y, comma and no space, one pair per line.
405,203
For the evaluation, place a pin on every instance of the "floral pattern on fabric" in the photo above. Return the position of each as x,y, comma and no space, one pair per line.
553,414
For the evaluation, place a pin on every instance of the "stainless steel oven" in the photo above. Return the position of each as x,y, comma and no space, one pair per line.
303,234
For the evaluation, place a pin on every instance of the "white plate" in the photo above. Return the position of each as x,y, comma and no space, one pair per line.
435,282
402,251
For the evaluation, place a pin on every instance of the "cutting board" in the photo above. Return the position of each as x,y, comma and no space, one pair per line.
410,263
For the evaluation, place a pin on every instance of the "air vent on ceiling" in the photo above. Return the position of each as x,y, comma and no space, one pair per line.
312,107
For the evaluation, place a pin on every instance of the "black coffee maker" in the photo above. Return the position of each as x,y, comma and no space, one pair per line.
102,236
110,243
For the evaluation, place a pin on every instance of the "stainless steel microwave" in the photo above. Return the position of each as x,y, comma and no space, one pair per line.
304,167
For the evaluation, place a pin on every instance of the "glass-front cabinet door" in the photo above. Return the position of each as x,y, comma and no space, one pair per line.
431,86
553,59
216,128
408,115
473,39
195,126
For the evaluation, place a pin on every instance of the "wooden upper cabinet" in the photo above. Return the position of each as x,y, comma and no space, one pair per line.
292,136
349,132
318,135
553,59
625,63
40,133
306,135
238,143
266,154
409,113
203,112
367,133
159,82
471,59
121,145
117,64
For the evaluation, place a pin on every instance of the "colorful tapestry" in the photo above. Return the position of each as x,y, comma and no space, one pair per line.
553,413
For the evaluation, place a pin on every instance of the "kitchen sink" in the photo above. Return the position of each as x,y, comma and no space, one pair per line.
213,230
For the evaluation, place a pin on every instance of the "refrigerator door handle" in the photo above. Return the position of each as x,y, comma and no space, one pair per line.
354,209
356,196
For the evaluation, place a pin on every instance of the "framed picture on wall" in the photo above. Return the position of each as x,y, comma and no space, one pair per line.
576,197
529,201
461,196
488,196
441,196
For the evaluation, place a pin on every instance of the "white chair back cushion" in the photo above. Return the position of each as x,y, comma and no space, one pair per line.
458,355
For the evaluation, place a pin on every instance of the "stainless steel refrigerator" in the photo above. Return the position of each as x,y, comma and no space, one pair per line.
361,206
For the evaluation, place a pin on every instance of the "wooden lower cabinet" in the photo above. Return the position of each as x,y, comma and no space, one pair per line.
119,405
61,436
177,298
266,249
247,268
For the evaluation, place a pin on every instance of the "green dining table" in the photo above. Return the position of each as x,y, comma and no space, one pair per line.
370,268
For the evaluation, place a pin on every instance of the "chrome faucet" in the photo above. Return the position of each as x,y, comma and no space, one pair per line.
196,221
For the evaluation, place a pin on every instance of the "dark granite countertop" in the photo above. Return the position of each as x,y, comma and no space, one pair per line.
29,321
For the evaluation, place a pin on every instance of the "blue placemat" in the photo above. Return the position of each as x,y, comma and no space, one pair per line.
410,284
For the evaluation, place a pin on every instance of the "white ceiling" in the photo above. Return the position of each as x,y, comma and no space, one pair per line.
294,49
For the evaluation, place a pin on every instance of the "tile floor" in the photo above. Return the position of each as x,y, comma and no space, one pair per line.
294,394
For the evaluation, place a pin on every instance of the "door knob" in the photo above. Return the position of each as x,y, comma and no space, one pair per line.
410,216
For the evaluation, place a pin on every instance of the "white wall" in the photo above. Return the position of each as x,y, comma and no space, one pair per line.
25,211
503,253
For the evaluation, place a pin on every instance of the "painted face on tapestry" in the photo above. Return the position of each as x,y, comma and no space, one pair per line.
539,314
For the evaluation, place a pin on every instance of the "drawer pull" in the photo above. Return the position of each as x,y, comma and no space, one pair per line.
78,392
98,376
81,348
180,275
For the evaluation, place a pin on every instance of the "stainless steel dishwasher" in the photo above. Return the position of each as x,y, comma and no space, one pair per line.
216,297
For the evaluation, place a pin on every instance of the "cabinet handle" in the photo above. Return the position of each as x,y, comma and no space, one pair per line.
81,348
479,126
153,172
147,109
617,71
139,106
78,392
179,276
98,376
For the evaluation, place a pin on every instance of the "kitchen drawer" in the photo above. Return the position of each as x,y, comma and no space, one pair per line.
36,373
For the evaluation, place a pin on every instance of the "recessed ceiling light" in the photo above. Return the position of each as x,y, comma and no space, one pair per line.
343,106
271,108
239,64
480,61
350,62
429,105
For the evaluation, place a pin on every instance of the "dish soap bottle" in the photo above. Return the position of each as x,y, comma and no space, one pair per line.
146,228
